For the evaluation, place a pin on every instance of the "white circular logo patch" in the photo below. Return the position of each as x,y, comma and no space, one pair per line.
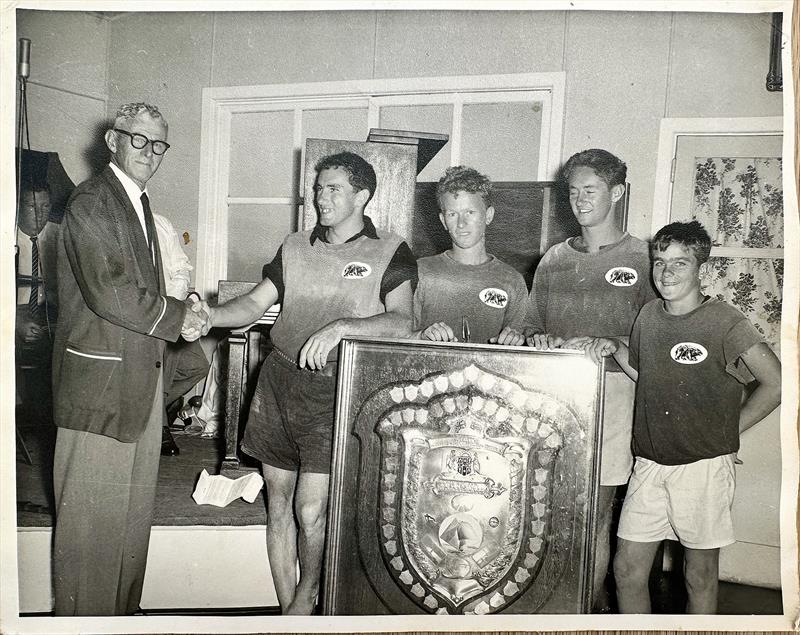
495,298
688,353
622,276
356,270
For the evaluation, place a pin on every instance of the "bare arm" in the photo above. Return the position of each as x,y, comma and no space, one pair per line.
621,357
395,322
245,309
599,347
766,368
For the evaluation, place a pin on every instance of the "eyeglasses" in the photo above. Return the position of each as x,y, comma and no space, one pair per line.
139,141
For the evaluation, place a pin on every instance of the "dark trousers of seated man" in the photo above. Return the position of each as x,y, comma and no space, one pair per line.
185,364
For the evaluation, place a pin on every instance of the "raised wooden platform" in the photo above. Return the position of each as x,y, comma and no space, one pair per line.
201,557
188,568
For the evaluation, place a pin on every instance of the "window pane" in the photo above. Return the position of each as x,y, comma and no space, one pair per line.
436,118
738,200
261,154
348,124
254,234
502,140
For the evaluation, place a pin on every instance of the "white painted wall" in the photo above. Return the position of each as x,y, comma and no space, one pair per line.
67,86
625,71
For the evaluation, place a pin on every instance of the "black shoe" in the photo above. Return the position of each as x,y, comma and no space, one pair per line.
172,411
168,445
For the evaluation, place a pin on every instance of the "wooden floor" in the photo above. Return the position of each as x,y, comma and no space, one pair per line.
176,481
176,508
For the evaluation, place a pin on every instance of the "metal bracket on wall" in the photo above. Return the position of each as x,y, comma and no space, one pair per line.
775,74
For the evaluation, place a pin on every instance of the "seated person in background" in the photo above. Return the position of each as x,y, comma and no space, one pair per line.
344,277
185,363
36,301
177,268
595,284
690,354
465,293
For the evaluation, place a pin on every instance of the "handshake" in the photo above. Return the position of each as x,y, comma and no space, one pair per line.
197,320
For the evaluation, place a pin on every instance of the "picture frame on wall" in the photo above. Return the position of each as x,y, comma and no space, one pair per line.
463,480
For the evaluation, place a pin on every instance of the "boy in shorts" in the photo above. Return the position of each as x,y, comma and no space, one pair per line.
344,277
465,293
593,285
690,354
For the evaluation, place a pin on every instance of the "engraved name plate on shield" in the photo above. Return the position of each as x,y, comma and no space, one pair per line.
464,480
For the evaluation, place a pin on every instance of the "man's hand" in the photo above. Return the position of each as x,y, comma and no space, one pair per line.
196,321
314,353
28,330
201,307
544,341
508,337
595,347
438,332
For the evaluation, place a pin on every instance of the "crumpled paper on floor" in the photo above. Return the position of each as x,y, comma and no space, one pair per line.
220,490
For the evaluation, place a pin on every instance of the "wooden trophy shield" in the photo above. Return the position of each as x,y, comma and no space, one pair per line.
464,480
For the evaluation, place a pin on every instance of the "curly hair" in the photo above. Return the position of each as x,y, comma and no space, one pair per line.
126,112
360,172
460,178
691,235
607,166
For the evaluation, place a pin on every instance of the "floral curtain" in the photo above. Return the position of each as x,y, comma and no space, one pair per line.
740,203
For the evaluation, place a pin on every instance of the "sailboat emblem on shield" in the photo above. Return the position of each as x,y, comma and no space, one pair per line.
466,468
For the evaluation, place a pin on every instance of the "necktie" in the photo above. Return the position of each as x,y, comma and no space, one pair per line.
148,220
151,237
33,301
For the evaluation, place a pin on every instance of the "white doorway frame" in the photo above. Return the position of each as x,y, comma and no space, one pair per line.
673,128
220,103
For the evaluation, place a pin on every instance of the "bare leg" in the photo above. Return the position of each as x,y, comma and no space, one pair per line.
602,554
281,532
311,506
701,572
632,566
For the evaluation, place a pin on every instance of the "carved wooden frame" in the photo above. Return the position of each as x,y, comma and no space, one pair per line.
396,394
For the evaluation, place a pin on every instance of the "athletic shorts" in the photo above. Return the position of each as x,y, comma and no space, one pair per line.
690,503
616,455
290,425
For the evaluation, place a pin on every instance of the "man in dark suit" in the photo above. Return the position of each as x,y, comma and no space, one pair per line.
108,354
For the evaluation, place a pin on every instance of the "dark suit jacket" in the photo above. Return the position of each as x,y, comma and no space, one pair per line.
114,315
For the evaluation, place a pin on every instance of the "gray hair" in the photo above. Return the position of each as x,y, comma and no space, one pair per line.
127,112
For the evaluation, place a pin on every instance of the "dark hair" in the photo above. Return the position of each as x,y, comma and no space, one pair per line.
34,186
360,173
460,178
607,166
691,235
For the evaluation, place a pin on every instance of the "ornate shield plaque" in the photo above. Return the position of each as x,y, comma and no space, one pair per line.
466,472
463,480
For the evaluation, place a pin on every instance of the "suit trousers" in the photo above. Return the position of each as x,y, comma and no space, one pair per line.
185,364
105,495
